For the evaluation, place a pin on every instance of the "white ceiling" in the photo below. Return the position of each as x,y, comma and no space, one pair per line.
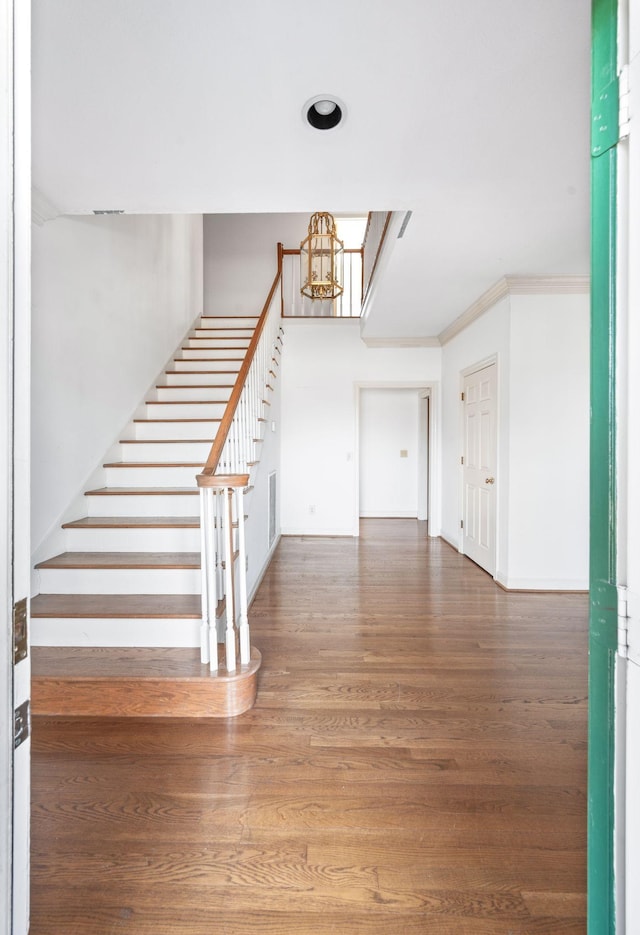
474,114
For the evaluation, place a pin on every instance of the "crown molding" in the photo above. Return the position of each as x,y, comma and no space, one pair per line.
515,285
41,208
548,285
401,342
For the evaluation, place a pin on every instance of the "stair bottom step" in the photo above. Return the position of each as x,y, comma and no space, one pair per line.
138,682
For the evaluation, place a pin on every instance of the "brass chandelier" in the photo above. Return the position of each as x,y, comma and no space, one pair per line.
321,259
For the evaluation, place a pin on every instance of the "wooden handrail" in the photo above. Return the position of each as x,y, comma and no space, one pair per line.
293,251
234,399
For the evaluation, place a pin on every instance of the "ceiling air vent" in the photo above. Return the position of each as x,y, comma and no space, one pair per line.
407,218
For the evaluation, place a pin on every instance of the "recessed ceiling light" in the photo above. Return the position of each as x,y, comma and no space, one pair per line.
323,112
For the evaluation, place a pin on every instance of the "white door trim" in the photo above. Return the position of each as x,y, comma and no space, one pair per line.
15,247
434,496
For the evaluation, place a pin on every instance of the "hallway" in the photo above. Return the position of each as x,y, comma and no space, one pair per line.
415,763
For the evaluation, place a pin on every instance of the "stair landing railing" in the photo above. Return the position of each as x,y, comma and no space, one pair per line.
222,484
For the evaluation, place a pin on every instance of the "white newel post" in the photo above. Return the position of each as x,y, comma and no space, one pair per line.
221,496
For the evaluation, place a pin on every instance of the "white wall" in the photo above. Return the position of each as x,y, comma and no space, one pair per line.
388,426
112,297
240,258
323,362
257,501
549,442
541,343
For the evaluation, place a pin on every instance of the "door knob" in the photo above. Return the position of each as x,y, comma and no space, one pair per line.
489,480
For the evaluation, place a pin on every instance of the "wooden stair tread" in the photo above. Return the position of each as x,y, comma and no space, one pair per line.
160,560
176,372
203,360
145,491
154,421
133,522
196,465
164,441
184,402
138,683
194,386
187,606
250,328
122,662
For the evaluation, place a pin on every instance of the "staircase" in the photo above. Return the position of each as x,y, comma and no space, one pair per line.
116,629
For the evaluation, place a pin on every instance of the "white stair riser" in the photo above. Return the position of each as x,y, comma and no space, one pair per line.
184,410
217,331
211,353
226,321
132,540
205,429
114,632
186,365
178,451
120,581
191,393
235,345
155,505
152,476
185,378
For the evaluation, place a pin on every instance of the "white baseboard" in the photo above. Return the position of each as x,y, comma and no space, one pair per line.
327,533
541,584
388,514
450,541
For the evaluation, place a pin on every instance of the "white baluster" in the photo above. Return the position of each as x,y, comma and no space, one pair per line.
205,560
243,619
208,636
212,598
230,635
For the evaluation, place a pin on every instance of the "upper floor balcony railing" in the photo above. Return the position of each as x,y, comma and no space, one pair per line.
359,268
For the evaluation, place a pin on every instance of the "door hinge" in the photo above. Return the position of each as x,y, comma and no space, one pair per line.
21,723
462,459
623,621
20,643
462,396
623,91
461,524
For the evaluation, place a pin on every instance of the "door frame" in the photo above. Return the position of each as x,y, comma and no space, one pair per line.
603,573
432,387
15,250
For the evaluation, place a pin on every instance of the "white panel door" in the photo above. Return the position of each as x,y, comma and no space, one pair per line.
479,467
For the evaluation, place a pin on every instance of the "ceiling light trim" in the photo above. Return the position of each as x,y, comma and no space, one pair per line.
324,118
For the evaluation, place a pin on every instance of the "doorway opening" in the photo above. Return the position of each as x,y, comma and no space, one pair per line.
396,452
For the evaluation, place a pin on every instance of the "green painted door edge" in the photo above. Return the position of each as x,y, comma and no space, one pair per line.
601,915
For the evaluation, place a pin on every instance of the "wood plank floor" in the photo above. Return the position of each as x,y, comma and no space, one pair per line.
415,763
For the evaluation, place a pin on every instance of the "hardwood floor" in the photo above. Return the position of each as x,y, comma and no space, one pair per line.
415,763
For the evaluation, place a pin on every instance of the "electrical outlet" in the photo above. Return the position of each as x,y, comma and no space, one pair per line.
404,453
